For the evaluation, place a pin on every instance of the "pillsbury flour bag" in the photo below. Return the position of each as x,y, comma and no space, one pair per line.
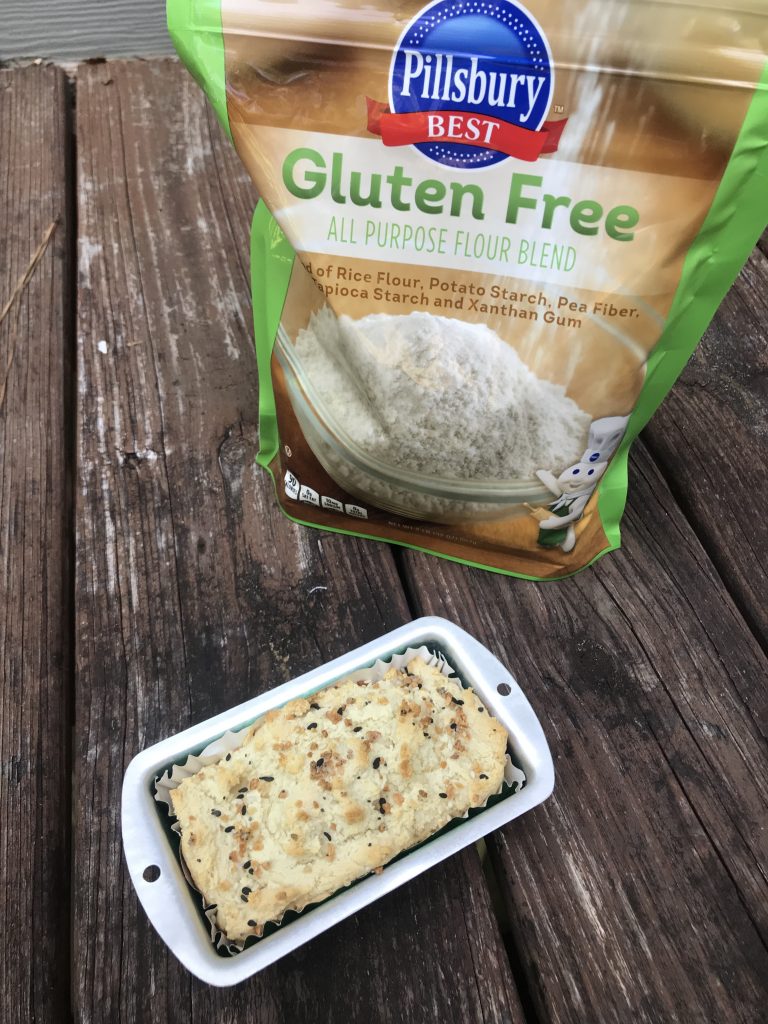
490,237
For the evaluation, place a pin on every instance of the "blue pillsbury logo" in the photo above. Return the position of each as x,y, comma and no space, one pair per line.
471,83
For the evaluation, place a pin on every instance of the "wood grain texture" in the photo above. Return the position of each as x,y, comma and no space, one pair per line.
76,29
194,593
35,671
638,892
711,439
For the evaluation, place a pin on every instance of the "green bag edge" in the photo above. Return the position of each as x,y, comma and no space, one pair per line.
736,218
196,31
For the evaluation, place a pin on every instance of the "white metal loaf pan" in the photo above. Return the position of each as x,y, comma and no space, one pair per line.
169,901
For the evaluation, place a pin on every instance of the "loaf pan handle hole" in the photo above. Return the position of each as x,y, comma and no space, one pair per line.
504,689
152,873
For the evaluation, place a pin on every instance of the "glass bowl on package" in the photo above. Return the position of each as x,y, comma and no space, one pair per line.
395,489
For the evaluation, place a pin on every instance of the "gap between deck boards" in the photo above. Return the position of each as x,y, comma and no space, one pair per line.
70,450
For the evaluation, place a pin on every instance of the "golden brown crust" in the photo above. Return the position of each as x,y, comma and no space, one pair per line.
330,788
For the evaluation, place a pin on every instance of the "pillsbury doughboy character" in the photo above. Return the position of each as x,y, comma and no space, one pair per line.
576,484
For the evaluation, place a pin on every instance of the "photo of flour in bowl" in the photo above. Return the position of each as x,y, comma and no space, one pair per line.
438,396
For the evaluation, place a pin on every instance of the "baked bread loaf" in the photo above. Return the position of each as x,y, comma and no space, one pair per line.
327,789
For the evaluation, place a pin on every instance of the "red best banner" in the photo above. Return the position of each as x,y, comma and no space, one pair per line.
464,128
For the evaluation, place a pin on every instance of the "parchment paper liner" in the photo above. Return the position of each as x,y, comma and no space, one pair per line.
514,777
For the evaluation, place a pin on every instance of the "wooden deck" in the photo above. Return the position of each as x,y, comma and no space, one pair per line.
149,581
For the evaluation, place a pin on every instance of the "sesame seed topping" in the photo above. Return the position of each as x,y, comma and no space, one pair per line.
315,706
267,778
312,725
251,923
243,809
358,728
376,762
443,796
327,836
483,775
215,812
230,828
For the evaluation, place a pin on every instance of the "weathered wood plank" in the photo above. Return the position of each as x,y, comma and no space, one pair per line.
638,892
35,607
194,593
711,439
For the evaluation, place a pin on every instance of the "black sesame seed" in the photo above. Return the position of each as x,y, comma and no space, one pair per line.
327,836
376,762
443,796
370,844
251,924
454,726
250,871
358,728
245,890
244,899
267,778
228,757
312,725
340,711
247,864
243,790
456,700
483,776
315,706
481,710
320,762
216,812
230,828
243,809
426,734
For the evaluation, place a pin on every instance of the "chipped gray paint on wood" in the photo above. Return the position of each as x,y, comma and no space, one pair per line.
76,29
